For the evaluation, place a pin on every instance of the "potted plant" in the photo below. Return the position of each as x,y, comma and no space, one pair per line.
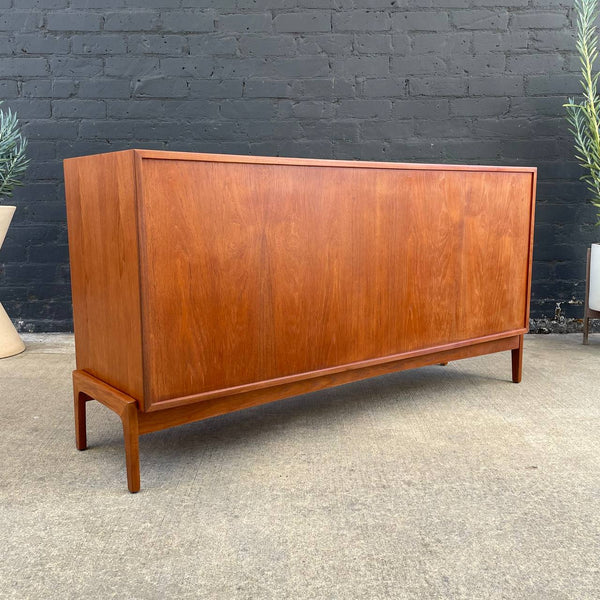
584,118
13,163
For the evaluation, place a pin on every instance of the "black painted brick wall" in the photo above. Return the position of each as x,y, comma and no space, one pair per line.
461,81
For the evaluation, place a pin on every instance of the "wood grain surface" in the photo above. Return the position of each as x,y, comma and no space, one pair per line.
204,284
103,250
253,272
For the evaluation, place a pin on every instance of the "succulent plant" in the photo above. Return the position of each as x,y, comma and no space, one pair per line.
13,160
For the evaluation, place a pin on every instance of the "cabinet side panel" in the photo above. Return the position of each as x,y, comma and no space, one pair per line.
103,250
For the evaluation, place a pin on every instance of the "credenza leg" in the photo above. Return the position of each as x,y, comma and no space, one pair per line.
80,426
80,400
132,447
517,361
86,387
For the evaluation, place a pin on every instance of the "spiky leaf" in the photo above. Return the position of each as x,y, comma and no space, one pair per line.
13,160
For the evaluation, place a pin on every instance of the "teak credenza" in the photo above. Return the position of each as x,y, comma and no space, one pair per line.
206,283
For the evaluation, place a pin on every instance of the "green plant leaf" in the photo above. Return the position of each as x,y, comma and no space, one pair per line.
13,160
584,117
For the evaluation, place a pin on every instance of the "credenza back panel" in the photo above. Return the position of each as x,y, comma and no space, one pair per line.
253,272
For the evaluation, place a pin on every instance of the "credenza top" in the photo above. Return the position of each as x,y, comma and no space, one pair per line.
309,162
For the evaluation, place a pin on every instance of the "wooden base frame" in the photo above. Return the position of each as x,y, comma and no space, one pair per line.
588,313
137,422
86,388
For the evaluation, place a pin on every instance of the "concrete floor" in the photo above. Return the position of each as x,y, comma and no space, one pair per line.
444,482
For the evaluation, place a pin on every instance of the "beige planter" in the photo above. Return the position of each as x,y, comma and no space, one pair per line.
10,342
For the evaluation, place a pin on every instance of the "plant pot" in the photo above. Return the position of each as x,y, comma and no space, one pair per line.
594,283
10,342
